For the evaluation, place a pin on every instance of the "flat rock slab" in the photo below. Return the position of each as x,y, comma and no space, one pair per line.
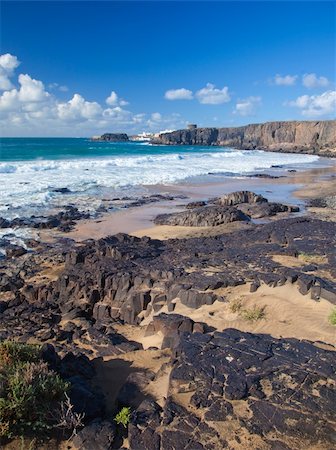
207,216
245,389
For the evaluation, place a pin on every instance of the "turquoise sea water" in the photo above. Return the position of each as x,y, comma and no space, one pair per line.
33,170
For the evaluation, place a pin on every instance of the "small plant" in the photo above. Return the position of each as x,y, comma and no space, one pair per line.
312,259
123,417
236,305
30,393
253,314
332,317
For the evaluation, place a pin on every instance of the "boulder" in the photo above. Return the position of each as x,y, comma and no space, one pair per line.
236,198
98,435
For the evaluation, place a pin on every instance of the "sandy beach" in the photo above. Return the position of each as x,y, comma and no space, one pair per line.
292,188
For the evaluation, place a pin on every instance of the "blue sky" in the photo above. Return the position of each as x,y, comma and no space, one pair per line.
222,63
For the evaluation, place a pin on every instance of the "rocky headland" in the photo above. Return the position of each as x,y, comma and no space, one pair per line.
112,137
317,137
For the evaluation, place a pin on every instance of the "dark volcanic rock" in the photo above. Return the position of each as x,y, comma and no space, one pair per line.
98,435
113,137
208,216
64,220
267,209
265,385
235,198
14,251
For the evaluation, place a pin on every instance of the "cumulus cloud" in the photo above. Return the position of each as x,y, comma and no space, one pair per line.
113,100
8,63
286,80
27,108
316,105
211,95
311,80
179,94
78,108
247,106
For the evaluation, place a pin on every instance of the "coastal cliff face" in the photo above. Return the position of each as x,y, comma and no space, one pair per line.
294,137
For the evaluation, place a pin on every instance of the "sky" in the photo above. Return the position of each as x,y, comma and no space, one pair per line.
84,68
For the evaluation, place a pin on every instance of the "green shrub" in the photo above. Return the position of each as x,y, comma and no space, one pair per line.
124,416
253,314
31,394
332,317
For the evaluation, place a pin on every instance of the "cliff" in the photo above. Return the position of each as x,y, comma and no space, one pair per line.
290,137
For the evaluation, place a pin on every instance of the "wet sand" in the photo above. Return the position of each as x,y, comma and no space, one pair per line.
293,188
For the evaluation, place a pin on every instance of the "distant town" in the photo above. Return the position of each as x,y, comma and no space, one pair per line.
140,137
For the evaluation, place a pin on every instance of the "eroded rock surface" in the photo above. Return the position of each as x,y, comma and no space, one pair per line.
239,390
208,216
233,207
318,137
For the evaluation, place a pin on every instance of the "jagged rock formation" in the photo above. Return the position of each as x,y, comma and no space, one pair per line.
297,137
132,277
239,390
233,207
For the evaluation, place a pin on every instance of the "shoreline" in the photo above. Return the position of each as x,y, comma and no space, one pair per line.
293,188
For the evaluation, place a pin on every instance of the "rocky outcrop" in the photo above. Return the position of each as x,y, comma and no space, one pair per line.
233,207
112,137
235,198
296,137
242,390
207,216
134,277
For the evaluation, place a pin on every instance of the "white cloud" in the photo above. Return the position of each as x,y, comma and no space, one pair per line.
113,100
157,117
316,105
29,109
8,63
179,94
311,80
247,106
59,87
78,108
211,95
31,90
287,80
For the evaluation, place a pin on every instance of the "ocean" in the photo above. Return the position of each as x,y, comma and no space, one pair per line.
34,170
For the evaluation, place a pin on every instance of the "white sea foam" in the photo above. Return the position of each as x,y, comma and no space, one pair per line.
32,183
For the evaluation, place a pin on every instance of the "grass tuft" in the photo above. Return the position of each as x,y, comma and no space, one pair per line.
236,305
332,317
312,259
253,314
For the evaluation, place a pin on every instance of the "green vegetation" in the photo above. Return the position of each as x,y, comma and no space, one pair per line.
253,314
312,259
332,317
123,417
33,398
236,305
